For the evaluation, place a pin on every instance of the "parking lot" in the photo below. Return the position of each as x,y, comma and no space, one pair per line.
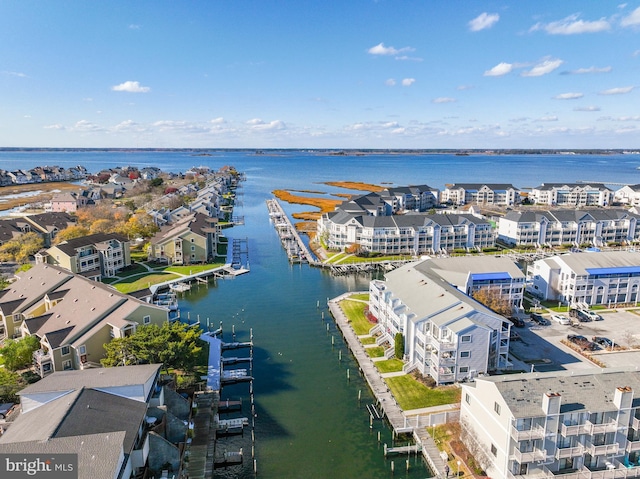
540,347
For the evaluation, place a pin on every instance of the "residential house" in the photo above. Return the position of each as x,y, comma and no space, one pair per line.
592,227
94,256
571,194
119,422
628,195
5,178
447,334
193,239
608,277
71,315
48,225
64,202
479,193
9,230
557,425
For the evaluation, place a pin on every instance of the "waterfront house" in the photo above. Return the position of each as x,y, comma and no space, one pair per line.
120,422
193,239
628,195
5,178
447,334
591,227
64,202
71,315
608,277
571,194
93,256
561,424
496,194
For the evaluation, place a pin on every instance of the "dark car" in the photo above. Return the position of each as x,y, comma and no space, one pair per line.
580,315
582,342
517,322
5,409
602,341
538,319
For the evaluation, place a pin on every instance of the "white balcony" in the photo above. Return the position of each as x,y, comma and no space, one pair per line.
632,446
635,423
531,456
602,450
566,452
536,432
591,428
572,430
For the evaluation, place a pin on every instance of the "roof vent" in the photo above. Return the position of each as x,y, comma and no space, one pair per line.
68,321
93,309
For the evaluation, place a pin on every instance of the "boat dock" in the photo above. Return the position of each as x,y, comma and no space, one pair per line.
297,251
386,404
183,283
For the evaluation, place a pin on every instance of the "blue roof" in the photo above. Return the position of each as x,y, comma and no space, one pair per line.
489,276
618,270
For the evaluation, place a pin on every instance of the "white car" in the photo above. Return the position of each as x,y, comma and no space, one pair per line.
560,319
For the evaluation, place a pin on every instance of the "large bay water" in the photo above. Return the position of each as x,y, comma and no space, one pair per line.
309,421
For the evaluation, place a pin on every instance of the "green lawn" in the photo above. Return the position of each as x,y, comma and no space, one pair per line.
129,285
367,340
375,352
131,270
412,394
192,268
360,297
354,311
389,365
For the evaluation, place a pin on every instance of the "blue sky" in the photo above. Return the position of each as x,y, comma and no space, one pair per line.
320,74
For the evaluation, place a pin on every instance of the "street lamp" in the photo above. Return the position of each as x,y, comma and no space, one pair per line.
458,473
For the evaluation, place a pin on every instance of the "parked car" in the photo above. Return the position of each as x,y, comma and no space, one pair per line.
538,319
517,322
5,409
558,318
602,341
580,315
594,316
582,342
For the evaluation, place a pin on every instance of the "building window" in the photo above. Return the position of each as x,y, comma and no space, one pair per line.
467,398
466,338
64,350
465,354
146,319
193,248
464,369
66,365
496,408
494,450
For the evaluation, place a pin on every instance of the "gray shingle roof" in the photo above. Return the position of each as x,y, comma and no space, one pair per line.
71,246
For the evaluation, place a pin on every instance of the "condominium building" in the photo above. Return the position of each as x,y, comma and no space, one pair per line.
479,193
593,227
571,194
581,424
447,334
608,277
628,195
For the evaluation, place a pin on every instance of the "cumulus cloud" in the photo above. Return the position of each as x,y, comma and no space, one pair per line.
380,49
408,81
587,108
443,99
131,87
499,70
568,96
583,71
617,91
483,21
548,118
631,20
218,121
258,124
390,82
86,126
542,68
57,126
572,25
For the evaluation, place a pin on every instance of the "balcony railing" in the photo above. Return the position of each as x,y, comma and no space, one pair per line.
591,428
632,446
572,430
566,452
604,449
530,456
635,423
536,432
41,356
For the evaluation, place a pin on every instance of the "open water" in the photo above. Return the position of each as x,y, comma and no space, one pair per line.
309,422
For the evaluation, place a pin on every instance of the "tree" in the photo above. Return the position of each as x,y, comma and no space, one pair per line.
21,248
71,232
157,182
139,225
102,226
17,354
399,345
10,384
491,298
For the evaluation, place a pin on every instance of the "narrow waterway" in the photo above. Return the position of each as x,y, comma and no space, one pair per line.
309,421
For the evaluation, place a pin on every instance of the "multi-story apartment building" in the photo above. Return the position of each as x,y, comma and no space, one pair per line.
628,195
609,277
571,194
93,256
593,227
413,234
479,193
580,424
447,335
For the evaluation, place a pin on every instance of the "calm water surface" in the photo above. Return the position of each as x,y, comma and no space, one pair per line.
309,422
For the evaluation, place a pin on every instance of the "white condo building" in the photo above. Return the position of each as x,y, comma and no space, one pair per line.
479,193
447,335
571,194
609,277
582,424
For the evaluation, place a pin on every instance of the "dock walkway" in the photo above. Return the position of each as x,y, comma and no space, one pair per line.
385,400
296,249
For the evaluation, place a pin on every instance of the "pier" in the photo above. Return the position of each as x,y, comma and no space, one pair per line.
297,251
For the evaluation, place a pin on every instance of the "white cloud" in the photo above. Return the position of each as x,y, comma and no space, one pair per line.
548,118
572,25
587,108
568,96
464,87
617,91
131,87
631,20
218,121
86,126
628,118
257,124
443,99
547,66
499,70
583,71
483,21
57,126
380,49
14,74
390,82
133,26
636,53
408,81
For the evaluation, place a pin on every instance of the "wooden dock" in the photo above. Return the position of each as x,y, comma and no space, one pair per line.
296,249
409,449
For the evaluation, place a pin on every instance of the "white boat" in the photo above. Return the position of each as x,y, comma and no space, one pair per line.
180,287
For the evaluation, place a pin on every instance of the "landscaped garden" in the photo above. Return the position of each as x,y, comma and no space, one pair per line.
389,365
354,311
412,394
